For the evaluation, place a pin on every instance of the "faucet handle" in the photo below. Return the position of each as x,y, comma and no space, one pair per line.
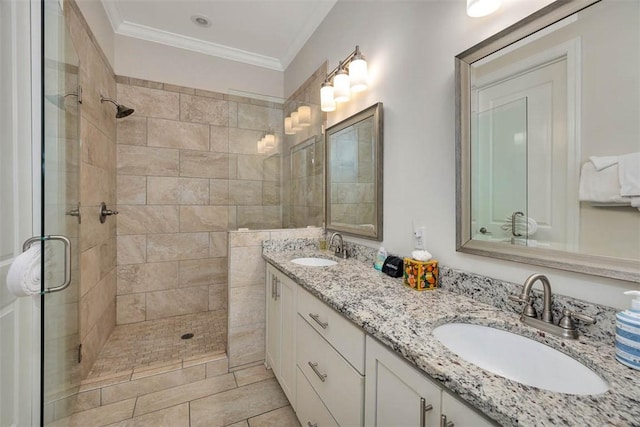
568,316
522,299
527,308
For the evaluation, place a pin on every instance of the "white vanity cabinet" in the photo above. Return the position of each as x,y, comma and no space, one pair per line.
398,395
280,356
330,358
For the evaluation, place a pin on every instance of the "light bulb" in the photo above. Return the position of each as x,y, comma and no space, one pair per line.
269,141
295,122
304,116
341,90
479,8
288,128
327,103
358,73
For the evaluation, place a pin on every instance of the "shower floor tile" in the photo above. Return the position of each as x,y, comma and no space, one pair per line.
158,342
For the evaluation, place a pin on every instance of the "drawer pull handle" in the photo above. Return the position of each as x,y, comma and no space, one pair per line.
424,408
311,425
444,422
273,287
316,318
314,366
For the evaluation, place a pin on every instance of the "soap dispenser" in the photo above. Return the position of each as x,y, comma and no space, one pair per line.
628,333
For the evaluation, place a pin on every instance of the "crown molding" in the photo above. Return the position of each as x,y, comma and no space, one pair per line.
113,14
189,43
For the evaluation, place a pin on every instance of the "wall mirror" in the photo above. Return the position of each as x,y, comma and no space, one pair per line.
548,142
354,174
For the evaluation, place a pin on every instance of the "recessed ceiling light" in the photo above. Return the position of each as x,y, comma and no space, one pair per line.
201,20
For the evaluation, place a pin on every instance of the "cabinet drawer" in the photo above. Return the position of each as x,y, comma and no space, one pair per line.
338,384
346,337
311,411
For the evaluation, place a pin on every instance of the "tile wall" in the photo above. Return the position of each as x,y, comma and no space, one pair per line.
188,171
246,325
97,246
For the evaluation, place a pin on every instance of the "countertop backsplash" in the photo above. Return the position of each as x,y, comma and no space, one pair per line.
483,289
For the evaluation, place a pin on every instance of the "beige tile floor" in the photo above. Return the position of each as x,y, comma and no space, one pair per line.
249,397
137,345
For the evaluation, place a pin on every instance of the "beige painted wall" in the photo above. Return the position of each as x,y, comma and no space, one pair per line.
188,171
97,311
410,48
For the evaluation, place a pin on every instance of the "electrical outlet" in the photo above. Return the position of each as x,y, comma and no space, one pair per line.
418,238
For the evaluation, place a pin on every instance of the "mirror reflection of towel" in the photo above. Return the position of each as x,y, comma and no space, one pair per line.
600,180
629,174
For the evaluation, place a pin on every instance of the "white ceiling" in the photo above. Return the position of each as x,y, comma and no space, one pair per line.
265,33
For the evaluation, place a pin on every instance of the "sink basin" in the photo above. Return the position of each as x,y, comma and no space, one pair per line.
314,262
519,359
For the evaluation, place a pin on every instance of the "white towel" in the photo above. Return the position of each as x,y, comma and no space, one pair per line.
629,174
603,162
600,186
23,278
524,225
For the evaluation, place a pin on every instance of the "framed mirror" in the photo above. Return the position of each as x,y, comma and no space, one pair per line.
354,175
546,133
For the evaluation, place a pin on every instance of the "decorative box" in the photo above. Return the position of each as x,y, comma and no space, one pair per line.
421,275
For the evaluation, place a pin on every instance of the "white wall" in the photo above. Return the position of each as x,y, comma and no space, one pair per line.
167,64
96,17
410,47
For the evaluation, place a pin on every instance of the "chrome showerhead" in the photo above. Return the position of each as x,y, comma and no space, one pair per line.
122,111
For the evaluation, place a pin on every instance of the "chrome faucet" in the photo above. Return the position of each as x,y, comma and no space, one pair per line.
528,316
340,250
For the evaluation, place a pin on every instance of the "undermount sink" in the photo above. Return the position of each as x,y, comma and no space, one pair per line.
314,262
519,359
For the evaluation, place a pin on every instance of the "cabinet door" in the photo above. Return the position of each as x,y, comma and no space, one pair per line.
460,414
286,296
272,353
396,394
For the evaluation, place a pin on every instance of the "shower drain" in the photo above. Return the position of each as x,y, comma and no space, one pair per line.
187,336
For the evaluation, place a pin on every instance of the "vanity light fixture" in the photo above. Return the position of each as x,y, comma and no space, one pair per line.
304,116
479,8
288,128
266,144
295,122
349,76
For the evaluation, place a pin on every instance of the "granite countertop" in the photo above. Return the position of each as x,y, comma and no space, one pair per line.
404,319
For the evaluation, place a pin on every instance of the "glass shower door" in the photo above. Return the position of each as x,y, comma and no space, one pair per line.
60,369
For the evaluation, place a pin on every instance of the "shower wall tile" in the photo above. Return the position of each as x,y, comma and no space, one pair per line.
203,218
202,271
250,167
204,164
97,149
200,109
130,308
147,219
150,102
242,239
180,89
89,269
233,114
260,118
219,192
134,160
260,217
131,190
175,134
243,141
132,130
271,193
246,266
177,191
176,302
244,192
218,242
246,305
96,185
219,139
218,296
138,278
132,249
246,344
178,246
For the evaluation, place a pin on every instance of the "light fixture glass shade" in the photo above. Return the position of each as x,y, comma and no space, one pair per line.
269,141
358,74
327,103
261,148
295,122
341,86
304,116
288,128
479,8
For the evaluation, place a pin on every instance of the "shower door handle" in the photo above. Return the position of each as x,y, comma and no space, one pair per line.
67,258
